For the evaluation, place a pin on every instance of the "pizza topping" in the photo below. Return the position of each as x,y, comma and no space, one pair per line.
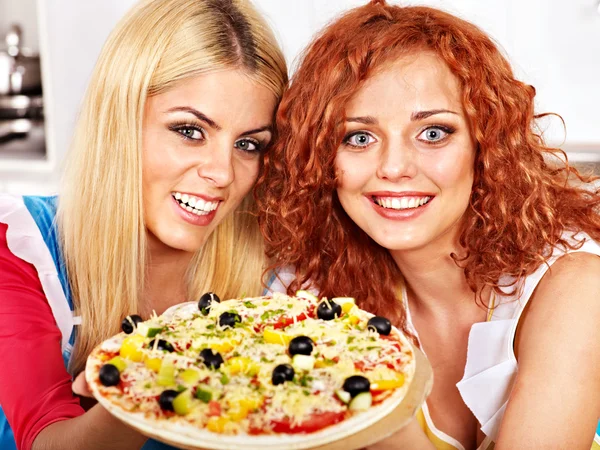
130,323
328,310
166,399
380,324
282,373
131,348
206,302
301,345
118,362
257,365
303,362
211,359
161,344
109,375
344,396
229,319
356,384
361,402
182,403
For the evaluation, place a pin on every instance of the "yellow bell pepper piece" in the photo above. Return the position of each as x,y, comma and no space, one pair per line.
153,364
242,364
217,424
384,385
237,412
224,346
252,403
130,348
273,336
354,320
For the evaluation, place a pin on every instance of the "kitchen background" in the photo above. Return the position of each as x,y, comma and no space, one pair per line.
553,44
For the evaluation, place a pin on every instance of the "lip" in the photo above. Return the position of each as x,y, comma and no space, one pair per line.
399,194
399,215
204,197
193,219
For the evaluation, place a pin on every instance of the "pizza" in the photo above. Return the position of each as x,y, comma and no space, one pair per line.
261,369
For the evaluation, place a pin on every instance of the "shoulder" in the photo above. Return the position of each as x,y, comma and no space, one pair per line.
564,308
558,356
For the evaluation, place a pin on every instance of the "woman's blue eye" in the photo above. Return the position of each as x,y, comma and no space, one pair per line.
433,134
359,139
247,145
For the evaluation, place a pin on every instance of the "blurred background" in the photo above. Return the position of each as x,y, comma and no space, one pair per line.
48,49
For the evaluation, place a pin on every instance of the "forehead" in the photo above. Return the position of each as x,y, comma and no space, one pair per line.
229,93
416,81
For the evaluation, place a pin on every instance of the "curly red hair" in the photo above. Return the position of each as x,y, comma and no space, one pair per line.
520,203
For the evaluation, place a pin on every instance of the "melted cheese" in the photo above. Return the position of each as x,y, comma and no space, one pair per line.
342,348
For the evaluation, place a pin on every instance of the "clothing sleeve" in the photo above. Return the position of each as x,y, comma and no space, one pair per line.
35,387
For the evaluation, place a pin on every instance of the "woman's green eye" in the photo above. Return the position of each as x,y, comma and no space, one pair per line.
190,133
247,145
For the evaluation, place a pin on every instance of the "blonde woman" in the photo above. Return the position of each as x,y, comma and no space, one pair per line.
154,208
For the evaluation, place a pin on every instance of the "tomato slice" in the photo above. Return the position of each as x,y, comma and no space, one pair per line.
285,321
214,408
312,423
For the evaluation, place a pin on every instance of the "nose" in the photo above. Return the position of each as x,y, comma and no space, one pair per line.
397,161
216,165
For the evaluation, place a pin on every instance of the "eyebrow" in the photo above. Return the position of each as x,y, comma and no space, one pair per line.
417,115
420,115
204,118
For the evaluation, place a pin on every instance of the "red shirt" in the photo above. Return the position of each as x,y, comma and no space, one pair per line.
35,387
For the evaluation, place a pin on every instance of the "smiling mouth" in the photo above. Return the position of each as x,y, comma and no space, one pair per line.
401,203
194,205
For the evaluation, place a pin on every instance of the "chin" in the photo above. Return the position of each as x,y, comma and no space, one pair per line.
397,243
179,241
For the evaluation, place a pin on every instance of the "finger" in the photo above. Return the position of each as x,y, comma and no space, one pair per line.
80,386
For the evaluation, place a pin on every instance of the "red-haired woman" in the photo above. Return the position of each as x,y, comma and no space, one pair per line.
409,175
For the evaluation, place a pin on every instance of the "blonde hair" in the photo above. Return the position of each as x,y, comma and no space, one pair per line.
157,44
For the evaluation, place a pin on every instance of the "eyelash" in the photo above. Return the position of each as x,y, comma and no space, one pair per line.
180,126
349,136
444,128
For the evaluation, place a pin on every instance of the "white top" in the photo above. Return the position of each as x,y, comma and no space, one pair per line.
491,363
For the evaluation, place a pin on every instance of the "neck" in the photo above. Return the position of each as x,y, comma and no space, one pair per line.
435,283
165,283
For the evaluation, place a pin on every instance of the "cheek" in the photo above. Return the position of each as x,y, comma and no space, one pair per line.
246,174
352,173
451,169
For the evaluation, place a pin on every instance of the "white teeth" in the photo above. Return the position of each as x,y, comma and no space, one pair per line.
400,203
194,204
